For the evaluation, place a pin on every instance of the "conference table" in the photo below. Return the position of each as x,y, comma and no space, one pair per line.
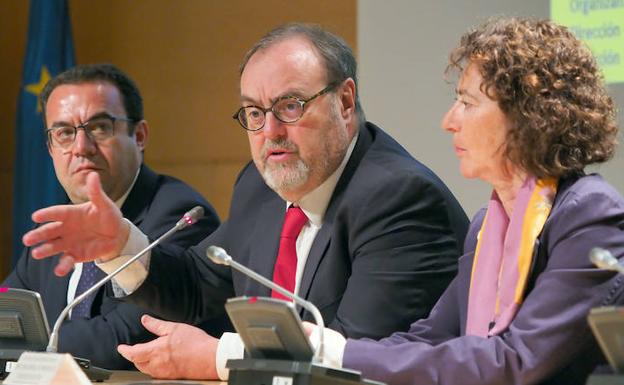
131,377
121,377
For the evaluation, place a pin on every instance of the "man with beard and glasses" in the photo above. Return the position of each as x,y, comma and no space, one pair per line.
331,208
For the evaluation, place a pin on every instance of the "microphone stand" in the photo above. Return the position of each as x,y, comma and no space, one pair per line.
606,331
220,256
260,371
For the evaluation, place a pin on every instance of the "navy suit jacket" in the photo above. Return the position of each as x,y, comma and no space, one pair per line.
155,204
549,341
387,248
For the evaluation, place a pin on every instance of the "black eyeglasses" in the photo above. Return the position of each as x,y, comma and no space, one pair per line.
287,109
98,129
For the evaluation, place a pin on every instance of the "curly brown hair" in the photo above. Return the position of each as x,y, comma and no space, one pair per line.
548,84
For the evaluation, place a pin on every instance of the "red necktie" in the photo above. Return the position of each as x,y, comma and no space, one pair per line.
286,263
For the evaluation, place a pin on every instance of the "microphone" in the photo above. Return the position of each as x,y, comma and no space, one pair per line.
221,257
189,218
605,260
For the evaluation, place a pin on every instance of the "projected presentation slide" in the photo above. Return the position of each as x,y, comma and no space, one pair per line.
600,24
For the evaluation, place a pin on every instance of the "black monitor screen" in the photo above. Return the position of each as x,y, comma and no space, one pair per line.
23,325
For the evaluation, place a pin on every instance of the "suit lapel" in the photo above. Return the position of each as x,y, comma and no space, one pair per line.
323,238
538,264
463,288
265,243
54,295
317,252
134,208
53,289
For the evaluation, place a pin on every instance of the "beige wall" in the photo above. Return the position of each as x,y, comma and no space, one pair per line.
407,94
184,55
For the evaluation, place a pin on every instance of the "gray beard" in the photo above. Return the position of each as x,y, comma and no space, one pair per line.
286,177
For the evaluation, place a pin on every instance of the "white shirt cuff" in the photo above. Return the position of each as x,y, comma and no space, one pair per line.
334,345
230,347
129,279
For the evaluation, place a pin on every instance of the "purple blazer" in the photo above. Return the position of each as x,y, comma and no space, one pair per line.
549,341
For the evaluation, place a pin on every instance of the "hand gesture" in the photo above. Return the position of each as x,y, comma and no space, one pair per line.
181,351
83,232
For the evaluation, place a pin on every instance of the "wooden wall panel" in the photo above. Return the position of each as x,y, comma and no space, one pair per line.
13,27
184,56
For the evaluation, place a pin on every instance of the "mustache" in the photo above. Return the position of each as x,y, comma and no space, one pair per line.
279,144
82,163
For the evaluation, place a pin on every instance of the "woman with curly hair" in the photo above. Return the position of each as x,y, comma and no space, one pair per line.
531,113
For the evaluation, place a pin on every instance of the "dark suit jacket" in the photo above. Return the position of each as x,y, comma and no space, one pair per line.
549,341
387,248
154,204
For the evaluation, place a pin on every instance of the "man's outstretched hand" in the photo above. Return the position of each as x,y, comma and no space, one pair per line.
83,232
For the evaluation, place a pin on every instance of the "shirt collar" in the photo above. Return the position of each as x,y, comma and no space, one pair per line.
314,204
119,202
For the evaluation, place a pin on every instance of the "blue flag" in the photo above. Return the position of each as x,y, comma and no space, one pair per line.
49,51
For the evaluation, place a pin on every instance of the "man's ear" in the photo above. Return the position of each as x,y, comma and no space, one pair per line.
346,94
141,130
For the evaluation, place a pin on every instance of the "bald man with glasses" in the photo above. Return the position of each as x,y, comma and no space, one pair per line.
331,208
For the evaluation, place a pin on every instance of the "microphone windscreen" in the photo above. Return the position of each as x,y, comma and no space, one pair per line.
190,217
603,258
195,214
218,255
